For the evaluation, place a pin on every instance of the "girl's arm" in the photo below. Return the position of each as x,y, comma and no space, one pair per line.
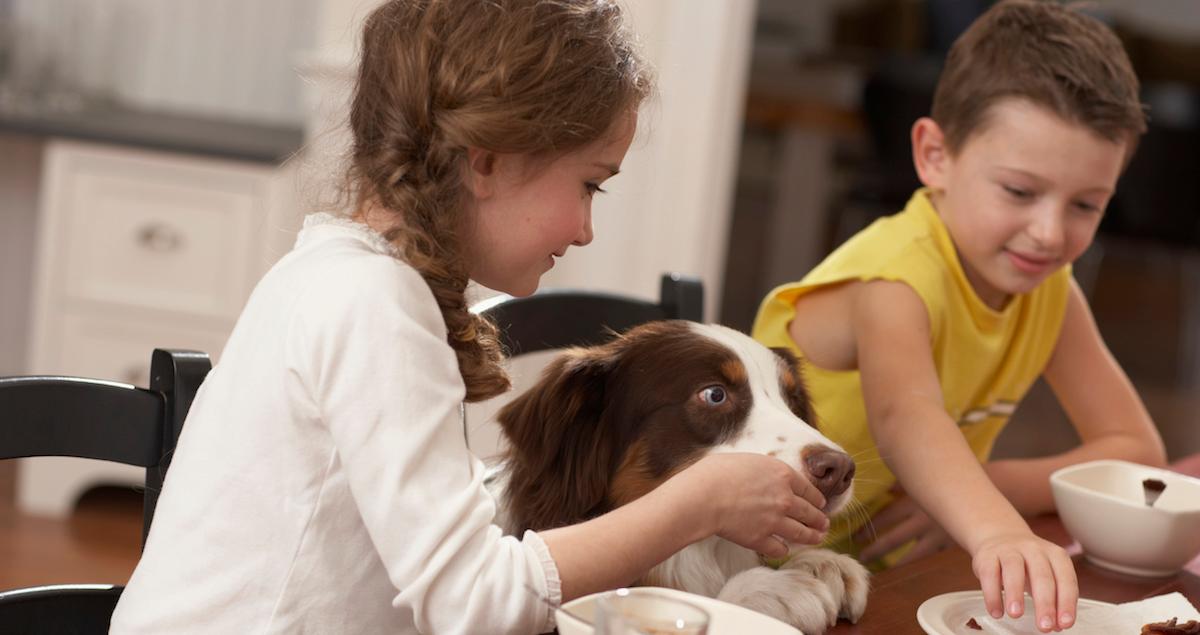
927,452
1102,404
745,498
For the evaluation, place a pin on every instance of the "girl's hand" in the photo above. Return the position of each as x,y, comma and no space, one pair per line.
895,525
757,502
1001,563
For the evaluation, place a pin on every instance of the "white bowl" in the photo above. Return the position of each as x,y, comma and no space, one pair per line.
575,617
1103,506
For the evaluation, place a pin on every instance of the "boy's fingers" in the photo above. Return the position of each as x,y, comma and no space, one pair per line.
1068,588
988,572
892,514
891,539
927,545
1012,572
881,523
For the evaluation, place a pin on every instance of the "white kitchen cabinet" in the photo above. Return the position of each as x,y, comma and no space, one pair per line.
136,250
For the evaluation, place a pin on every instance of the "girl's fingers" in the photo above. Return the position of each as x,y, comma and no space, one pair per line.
988,572
804,488
771,547
798,533
1012,572
808,515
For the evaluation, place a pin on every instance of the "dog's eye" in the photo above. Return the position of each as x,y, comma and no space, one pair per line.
713,395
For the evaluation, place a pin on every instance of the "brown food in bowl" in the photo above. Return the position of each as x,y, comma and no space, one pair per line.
973,625
1172,627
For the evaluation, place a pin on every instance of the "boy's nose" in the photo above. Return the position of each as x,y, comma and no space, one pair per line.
1047,229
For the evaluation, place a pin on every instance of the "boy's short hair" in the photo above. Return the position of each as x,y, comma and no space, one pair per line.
1052,55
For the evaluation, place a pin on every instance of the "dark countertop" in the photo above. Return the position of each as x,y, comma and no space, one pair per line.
131,126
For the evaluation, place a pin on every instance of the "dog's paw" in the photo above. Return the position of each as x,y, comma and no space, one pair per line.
846,578
795,597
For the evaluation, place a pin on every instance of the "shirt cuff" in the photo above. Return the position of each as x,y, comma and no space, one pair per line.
553,590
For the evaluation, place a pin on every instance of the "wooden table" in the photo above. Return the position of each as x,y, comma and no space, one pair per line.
896,593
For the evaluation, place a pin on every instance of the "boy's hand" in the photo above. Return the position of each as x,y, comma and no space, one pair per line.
895,525
1001,564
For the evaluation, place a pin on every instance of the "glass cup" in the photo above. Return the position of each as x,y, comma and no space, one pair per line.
645,612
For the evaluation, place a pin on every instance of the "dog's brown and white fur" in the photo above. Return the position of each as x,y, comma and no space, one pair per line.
607,424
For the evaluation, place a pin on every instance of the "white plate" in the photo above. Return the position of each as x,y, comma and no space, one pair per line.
726,618
947,614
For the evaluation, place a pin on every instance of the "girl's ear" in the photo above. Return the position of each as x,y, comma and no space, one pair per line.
931,157
481,172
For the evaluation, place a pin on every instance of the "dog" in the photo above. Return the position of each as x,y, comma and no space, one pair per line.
607,424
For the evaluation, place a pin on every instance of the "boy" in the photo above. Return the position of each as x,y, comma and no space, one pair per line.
920,334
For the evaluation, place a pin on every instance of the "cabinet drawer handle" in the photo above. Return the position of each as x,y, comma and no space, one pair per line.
159,237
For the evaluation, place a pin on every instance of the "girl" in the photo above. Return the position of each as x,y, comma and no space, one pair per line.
323,483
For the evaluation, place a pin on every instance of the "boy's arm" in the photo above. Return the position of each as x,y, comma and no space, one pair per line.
923,446
1102,404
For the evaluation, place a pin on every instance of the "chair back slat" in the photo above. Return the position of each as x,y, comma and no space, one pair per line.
682,297
79,609
557,318
66,416
561,319
176,375
96,419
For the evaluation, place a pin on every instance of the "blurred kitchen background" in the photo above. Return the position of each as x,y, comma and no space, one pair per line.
155,158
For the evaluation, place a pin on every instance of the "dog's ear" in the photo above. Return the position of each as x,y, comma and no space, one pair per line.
560,455
791,382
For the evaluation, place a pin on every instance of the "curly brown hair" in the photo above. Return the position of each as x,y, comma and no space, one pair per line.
1050,54
436,77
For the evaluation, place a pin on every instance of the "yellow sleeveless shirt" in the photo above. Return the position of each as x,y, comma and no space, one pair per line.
986,360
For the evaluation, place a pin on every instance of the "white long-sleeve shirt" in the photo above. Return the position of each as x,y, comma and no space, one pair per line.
323,483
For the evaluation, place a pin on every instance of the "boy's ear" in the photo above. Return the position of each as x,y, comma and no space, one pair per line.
481,172
931,157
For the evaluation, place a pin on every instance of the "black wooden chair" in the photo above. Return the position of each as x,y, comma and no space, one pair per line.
559,318
95,419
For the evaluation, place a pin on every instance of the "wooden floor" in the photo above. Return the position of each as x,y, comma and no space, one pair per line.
99,543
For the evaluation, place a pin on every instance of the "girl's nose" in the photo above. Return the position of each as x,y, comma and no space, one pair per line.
585,232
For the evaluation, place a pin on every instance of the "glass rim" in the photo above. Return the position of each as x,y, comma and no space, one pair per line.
700,617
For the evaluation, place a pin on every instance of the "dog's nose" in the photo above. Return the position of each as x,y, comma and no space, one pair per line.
830,470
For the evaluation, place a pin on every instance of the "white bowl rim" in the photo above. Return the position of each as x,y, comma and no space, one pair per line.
1058,478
